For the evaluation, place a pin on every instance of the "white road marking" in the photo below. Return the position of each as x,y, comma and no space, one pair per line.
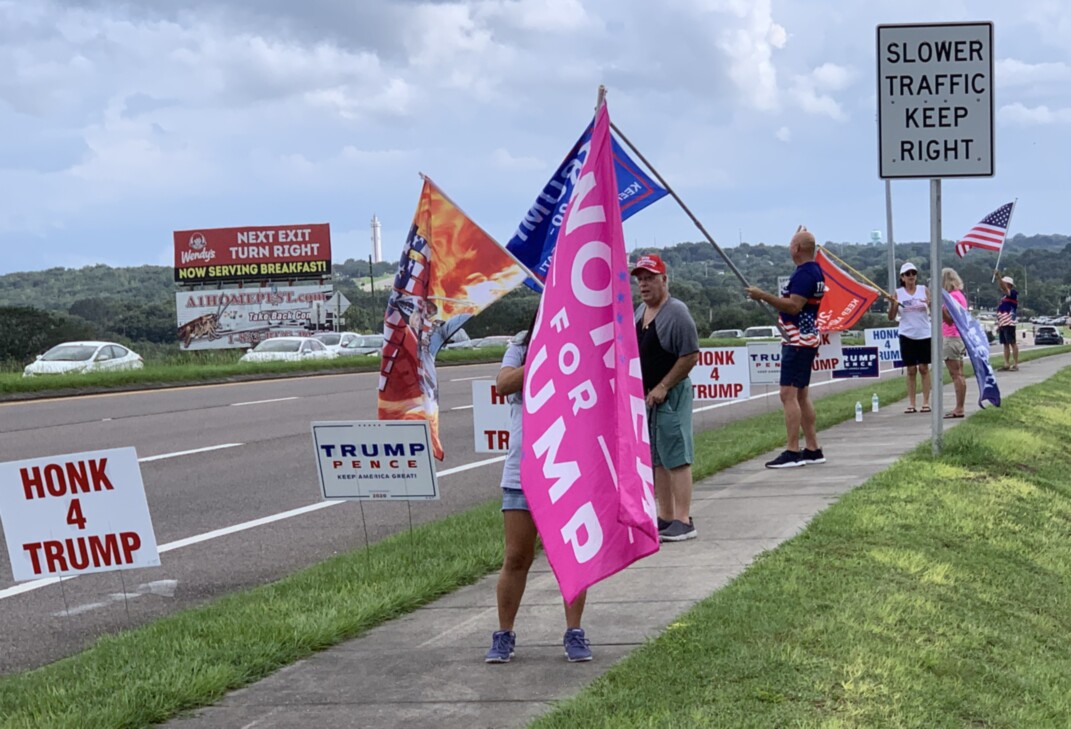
262,402
163,588
462,407
163,456
197,539
477,377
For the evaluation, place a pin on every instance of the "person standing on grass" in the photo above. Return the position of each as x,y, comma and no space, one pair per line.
953,351
669,349
1007,315
519,528
912,303
798,304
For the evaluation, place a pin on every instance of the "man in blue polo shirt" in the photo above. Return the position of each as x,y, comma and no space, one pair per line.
798,306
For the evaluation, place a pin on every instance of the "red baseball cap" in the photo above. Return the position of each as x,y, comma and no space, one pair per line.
649,262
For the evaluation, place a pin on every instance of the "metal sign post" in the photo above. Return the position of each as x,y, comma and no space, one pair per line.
935,120
937,379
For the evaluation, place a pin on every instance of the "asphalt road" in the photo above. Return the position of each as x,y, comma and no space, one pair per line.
213,459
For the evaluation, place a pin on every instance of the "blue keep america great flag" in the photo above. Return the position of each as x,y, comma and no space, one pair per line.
536,236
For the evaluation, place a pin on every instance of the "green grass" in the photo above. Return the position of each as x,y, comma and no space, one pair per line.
191,659
207,368
148,674
935,595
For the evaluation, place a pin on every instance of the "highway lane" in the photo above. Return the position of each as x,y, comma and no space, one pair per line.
271,472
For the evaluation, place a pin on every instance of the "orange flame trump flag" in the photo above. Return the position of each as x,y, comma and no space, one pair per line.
450,270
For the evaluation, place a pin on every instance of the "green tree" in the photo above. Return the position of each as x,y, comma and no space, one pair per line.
26,331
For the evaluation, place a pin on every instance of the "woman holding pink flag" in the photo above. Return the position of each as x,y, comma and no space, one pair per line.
519,528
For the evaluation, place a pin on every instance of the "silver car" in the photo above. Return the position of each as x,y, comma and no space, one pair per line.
364,345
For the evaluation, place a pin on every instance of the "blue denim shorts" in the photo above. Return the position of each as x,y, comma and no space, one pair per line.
513,500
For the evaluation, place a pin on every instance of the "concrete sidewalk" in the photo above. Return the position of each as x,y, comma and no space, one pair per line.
426,669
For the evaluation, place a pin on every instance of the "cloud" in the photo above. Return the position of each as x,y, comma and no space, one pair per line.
750,49
1022,115
784,134
1031,79
809,90
506,161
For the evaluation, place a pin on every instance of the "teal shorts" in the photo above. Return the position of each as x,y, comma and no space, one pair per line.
670,428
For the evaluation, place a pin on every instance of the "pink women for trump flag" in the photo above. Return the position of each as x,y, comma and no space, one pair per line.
586,460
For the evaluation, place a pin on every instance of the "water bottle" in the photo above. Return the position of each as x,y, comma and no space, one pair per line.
858,412
874,403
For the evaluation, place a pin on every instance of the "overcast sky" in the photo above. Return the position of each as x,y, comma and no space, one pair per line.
124,121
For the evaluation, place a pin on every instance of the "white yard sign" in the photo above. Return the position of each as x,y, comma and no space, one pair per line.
829,354
935,100
722,373
76,514
490,418
388,460
764,362
887,340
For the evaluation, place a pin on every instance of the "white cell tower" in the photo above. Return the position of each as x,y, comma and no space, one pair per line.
377,243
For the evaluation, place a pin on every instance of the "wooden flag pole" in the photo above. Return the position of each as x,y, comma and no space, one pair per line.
834,257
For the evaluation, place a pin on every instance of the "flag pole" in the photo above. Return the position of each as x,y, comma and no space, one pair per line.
670,190
832,255
996,266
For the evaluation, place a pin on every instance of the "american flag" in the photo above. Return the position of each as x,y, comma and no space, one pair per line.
988,234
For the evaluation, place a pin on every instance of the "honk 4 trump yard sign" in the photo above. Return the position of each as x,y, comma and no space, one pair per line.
75,514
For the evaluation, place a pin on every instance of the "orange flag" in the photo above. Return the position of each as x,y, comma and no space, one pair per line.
450,270
845,300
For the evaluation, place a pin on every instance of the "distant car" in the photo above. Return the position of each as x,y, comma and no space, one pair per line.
727,334
761,333
335,341
288,349
80,357
491,342
460,340
467,344
1048,335
364,345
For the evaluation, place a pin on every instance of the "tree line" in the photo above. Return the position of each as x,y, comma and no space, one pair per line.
137,304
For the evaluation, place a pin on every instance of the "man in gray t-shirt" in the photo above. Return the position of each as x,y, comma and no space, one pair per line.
669,348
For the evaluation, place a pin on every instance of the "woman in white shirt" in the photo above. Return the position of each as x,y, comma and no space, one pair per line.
912,303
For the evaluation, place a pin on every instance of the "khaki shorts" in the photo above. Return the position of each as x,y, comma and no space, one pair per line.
953,349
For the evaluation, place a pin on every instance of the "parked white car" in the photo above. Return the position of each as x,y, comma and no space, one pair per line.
492,342
364,345
80,357
336,341
288,349
762,333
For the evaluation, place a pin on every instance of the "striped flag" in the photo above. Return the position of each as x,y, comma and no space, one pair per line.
989,233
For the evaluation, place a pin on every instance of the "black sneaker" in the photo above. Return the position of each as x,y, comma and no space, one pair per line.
677,531
811,457
663,524
787,459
